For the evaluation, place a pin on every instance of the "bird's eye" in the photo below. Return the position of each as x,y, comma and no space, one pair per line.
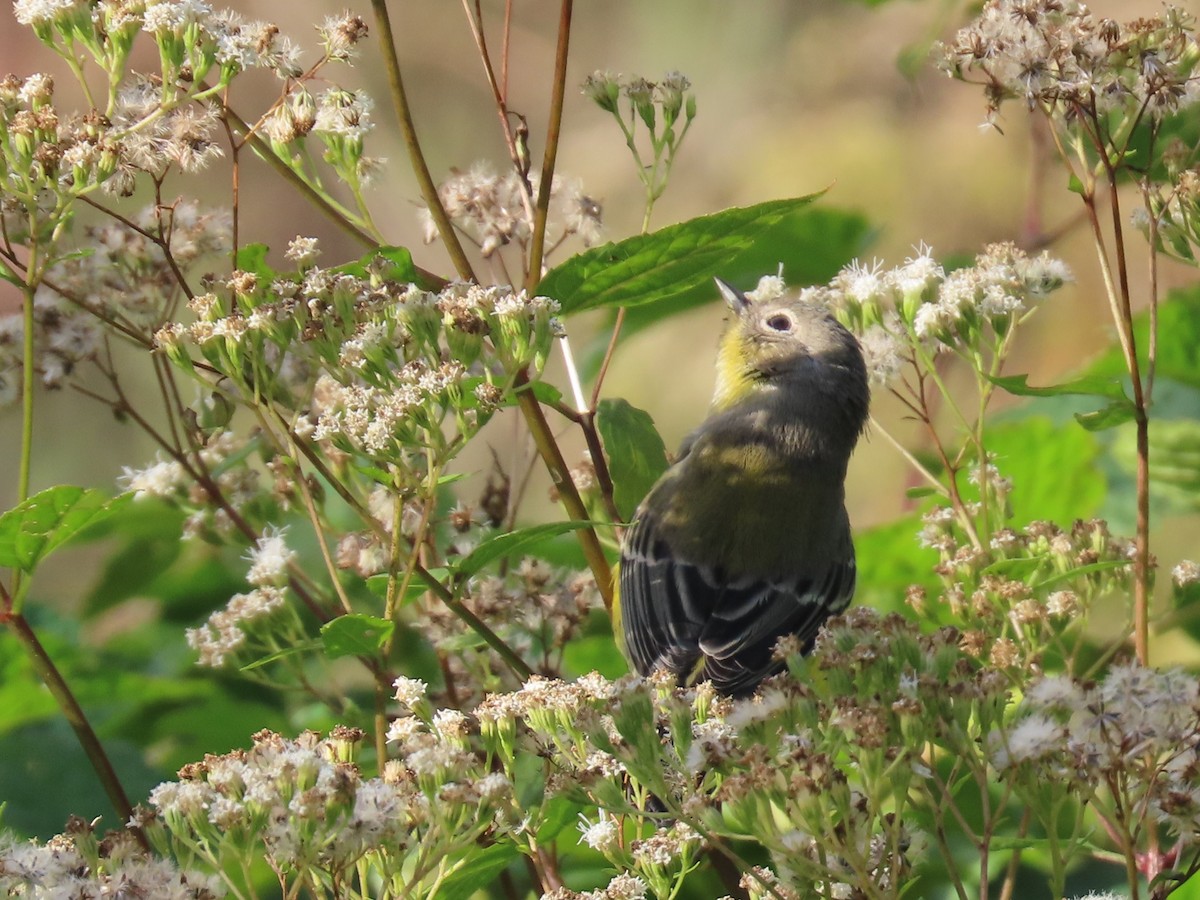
780,322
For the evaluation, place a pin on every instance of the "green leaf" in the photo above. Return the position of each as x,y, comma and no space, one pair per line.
417,584
916,493
481,868
511,542
635,450
46,521
556,814
1109,416
1174,461
355,635
1178,350
664,264
1053,468
1091,385
399,264
889,560
1079,571
253,258
1186,601
543,390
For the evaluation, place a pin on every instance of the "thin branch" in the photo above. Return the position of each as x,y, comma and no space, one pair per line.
387,44
52,678
560,474
553,131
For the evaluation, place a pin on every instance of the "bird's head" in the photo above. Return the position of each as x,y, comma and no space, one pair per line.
785,344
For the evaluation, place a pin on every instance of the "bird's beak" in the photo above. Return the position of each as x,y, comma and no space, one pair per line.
734,298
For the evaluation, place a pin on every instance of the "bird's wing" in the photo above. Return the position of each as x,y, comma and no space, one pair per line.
739,638
664,601
677,614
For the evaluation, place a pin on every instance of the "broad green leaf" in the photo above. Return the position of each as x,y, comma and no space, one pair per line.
44,522
889,560
1178,348
1053,469
1174,461
663,264
480,869
812,243
355,635
1092,385
635,450
511,542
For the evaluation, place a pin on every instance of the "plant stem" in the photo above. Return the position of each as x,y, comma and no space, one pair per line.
387,44
560,474
537,243
50,676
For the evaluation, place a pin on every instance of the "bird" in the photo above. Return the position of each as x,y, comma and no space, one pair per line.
745,538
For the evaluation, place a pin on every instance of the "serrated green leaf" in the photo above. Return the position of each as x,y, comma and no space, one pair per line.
663,264
511,542
44,522
355,635
635,450
811,244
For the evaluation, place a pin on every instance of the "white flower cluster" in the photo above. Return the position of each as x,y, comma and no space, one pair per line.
1055,53
125,278
1136,727
58,869
497,210
172,480
314,811
919,303
218,639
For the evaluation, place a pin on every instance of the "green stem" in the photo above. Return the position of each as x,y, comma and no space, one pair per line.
537,243
387,44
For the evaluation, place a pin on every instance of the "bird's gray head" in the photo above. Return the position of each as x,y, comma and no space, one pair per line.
799,348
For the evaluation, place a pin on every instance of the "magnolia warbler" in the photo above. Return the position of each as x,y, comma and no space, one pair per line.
745,538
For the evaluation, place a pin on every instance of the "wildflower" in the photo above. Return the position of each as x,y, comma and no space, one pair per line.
302,250
410,692
270,558
1186,574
